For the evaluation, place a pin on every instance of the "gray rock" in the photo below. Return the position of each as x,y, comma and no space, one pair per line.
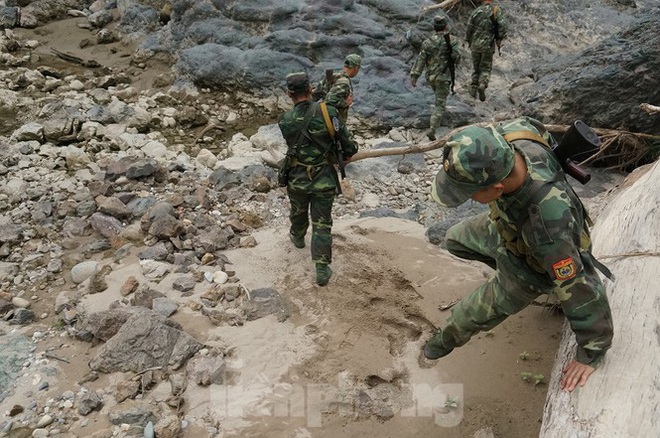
164,306
29,131
184,283
104,325
82,271
22,317
145,296
88,402
157,252
137,413
9,17
145,341
580,87
205,370
8,271
100,18
114,207
264,302
14,351
105,225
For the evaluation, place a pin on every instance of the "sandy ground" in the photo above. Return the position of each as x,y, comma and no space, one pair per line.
346,362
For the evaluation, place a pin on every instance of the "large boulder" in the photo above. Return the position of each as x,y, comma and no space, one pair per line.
146,340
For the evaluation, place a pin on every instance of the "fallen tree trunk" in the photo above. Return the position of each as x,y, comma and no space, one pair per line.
622,398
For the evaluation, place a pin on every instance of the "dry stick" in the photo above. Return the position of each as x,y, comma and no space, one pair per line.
413,149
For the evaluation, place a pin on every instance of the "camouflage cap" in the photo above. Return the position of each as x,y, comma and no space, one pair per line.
297,82
439,22
474,159
353,60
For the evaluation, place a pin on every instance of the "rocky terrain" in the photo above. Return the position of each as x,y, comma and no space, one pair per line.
143,261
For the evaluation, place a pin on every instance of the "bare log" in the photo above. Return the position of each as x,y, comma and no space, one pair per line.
621,398
447,4
651,109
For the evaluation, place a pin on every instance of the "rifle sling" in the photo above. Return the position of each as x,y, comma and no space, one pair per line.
326,117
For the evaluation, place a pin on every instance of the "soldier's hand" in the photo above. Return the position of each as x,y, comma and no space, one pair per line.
574,373
413,82
349,100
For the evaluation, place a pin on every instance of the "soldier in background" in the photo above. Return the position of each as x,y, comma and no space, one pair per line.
437,53
536,237
340,94
312,180
485,30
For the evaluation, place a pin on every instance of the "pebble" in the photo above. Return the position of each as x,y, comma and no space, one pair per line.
21,303
44,421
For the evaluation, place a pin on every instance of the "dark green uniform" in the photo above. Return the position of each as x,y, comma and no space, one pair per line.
313,180
482,26
536,238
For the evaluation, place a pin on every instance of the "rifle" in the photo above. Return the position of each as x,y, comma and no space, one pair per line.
496,29
324,86
338,148
579,143
450,63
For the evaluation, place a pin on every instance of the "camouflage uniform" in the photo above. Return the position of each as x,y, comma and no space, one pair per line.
481,39
434,57
536,238
313,180
342,87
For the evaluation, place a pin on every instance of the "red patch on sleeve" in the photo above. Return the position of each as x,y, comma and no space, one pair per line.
565,269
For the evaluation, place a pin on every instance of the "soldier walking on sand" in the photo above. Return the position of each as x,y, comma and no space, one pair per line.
311,178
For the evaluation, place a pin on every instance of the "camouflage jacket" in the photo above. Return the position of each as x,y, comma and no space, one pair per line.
545,223
481,28
434,57
314,164
340,90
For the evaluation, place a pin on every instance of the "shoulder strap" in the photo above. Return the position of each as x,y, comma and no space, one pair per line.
326,117
525,135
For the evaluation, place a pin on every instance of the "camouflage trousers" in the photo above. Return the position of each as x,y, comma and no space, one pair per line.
482,65
318,205
441,89
513,286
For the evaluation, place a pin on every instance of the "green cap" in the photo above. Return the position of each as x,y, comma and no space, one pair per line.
352,60
297,82
439,22
474,158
